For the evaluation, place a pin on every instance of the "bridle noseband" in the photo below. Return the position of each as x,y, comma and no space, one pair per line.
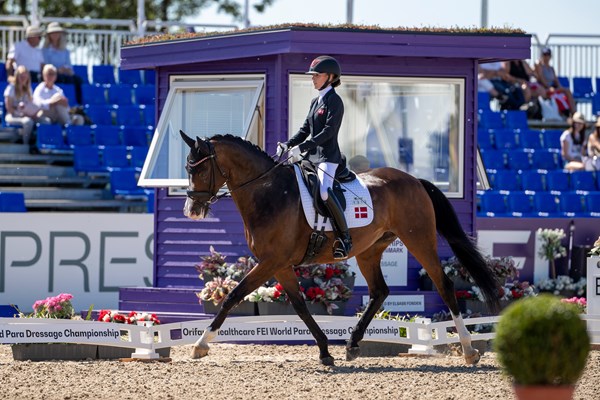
211,196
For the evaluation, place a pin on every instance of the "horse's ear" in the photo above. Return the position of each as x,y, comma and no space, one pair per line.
202,145
188,140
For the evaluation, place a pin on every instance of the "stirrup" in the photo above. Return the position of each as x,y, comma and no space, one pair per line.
341,248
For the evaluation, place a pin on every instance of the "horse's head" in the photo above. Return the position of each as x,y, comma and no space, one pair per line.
205,177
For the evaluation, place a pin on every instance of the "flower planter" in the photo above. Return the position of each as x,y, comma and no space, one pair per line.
244,308
275,308
546,392
479,307
320,309
54,351
461,284
349,281
425,283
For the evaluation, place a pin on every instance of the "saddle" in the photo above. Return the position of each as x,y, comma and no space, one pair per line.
311,180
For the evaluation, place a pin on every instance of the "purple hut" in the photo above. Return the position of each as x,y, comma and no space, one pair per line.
410,100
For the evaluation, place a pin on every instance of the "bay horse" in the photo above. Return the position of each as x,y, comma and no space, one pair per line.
267,196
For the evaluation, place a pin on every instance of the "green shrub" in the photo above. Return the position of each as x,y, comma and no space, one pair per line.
542,341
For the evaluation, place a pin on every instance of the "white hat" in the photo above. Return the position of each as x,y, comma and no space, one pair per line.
54,27
33,31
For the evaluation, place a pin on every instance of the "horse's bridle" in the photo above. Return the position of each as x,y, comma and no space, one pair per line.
211,196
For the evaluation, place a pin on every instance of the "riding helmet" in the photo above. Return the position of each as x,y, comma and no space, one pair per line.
325,64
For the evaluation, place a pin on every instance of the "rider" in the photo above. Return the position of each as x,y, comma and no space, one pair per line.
319,137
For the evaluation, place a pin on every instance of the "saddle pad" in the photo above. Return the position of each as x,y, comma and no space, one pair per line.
359,206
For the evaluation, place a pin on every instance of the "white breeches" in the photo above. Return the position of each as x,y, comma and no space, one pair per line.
326,173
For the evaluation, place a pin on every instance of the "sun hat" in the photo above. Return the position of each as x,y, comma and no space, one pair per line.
546,50
33,31
578,117
54,27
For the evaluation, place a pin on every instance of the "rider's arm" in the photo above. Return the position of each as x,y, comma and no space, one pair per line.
335,113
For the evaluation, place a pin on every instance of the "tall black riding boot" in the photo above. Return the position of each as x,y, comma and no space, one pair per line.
343,243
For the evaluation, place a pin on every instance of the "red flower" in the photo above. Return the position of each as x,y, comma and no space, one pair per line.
315,292
328,273
120,319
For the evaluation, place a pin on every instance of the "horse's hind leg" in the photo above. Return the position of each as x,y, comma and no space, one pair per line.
289,281
369,263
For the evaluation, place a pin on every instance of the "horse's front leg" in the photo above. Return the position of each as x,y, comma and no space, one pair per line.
256,277
289,281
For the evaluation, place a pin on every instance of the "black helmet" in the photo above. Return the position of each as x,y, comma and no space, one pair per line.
325,64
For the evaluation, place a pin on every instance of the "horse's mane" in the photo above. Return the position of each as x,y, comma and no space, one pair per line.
244,143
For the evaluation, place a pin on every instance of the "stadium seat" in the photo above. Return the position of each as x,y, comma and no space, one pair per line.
103,74
484,139
115,157
542,159
593,204
107,135
69,92
135,136
518,159
130,76
148,113
138,156
515,119
545,204
129,116
82,72
3,76
598,85
50,137
571,204
100,114
151,199
123,184
491,120
519,204
493,159
149,77
551,138
596,104
564,81
93,95
582,88
493,204
120,94
483,101
145,94
529,139
504,180
582,180
505,139
86,159
12,202
532,180
557,180
79,135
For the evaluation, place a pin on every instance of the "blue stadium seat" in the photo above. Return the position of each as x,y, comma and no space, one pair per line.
596,104
100,114
69,92
107,135
82,72
532,180
545,204
582,88
92,94
551,138
493,204
515,119
115,157
130,76
135,136
149,112
564,81
103,74
483,101
120,94
484,139
79,135
583,180
493,159
504,180
145,94
505,139
598,85
138,156
593,204
3,76
50,138
123,184
518,159
86,159
519,204
129,116
571,204
557,180
151,199
12,202
542,159
149,77
491,120
529,139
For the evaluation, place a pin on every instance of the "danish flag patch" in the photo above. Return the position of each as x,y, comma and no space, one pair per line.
321,111
360,212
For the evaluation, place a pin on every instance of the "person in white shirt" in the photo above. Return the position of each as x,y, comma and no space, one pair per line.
52,101
572,144
27,53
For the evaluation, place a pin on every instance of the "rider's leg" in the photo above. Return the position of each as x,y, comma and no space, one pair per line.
343,245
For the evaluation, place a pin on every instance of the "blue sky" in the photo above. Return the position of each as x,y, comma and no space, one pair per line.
539,17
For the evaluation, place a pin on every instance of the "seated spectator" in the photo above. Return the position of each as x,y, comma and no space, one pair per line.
547,77
27,54
20,108
572,143
52,101
359,164
593,149
493,79
56,53
519,72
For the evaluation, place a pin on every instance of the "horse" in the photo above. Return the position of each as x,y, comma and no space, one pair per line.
267,196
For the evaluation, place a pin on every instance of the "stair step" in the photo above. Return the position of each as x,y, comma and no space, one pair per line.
81,205
56,193
36,169
44,180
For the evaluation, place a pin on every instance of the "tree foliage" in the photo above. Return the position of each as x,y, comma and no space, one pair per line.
166,10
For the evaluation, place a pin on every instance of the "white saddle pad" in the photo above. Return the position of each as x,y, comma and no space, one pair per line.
359,206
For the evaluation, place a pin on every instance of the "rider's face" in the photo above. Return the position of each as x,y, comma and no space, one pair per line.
319,80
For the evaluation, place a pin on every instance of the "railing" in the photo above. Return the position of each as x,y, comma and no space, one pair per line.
572,55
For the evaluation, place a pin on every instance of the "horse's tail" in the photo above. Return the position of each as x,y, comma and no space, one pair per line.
466,251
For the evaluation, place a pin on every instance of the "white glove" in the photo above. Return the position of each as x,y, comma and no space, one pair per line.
281,148
295,153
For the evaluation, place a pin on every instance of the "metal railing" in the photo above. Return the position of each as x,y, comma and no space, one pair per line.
572,55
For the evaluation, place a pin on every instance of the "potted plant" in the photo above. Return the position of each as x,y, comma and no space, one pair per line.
543,344
563,286
551,248
271,300
214,293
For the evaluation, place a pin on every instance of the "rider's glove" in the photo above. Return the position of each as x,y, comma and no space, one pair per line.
281,148
295,153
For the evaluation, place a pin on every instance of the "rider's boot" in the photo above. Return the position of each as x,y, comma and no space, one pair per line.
343,243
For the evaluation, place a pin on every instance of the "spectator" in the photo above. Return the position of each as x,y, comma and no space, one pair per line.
493,79
547,77
52,101
572,143
359,164
27,54
20,109
592,163
520,73
56,53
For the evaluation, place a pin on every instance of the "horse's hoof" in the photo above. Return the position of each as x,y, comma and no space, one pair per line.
352,353
199,351
473,359
327,361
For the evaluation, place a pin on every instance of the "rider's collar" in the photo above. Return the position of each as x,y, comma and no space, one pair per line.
323,92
